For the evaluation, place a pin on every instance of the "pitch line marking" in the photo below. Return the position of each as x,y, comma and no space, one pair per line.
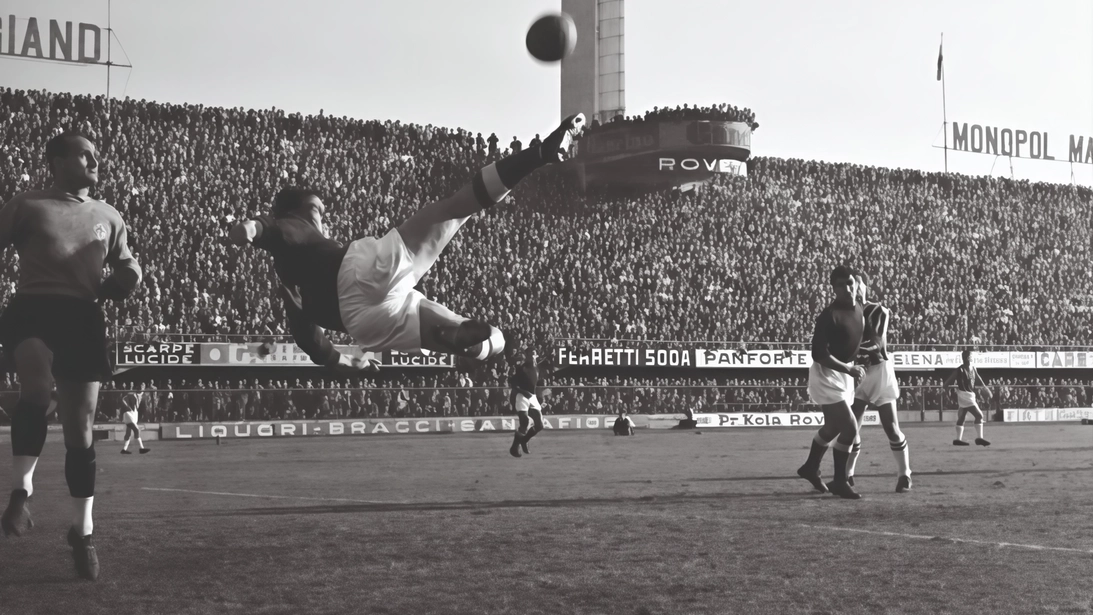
967,540
272,497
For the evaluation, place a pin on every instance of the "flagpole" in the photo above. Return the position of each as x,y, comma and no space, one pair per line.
944,109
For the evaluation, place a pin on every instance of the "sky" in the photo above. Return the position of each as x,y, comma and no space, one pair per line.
843,80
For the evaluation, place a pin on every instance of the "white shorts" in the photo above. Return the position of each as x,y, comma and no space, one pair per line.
130,417
964,399
879,385
525,402
827,386
376,296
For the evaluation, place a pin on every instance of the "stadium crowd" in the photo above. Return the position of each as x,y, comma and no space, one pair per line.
723,112
959,260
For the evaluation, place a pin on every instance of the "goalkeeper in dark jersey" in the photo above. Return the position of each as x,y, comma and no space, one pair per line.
366,289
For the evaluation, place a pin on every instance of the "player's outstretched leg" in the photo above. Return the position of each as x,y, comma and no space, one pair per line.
77,410
442,330
33,362
428,231
821,441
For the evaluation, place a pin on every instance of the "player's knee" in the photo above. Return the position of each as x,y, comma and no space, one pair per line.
80,468
893,433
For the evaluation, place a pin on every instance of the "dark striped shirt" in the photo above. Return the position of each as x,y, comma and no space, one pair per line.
965,378
874,346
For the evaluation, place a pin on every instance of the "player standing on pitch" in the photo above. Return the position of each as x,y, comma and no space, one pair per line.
966,378
878,387
367,288
55,330
831,380
524,382
132,401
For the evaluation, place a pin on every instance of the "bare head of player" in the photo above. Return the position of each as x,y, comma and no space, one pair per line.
302,204
966,356
531,356
74,162
842,279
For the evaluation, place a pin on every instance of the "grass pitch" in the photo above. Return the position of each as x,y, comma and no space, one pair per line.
665,522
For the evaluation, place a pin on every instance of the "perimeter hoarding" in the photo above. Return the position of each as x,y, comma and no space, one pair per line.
772,419
736,358
1046,415
371,427
129,355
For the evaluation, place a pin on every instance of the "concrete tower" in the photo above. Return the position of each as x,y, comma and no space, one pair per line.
593,80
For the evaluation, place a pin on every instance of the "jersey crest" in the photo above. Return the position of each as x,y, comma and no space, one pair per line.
100,232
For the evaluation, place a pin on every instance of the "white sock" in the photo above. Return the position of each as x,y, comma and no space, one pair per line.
979,430
81,515
125,446
959,432
852,460
902,452
22,472
140,443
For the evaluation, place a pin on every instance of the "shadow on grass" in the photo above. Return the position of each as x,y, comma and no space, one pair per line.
473,506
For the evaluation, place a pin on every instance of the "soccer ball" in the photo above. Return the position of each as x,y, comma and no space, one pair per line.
552,37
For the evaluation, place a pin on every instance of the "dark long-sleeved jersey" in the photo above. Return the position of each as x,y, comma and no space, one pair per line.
838,332
307,265
525,379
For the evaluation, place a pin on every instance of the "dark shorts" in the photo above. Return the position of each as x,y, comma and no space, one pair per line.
74,330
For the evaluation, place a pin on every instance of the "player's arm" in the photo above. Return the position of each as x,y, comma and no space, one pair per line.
982,384
245,232
309,336
952,378
126,273
821,351
313,340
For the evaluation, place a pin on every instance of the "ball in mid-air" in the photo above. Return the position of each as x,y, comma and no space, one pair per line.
552,37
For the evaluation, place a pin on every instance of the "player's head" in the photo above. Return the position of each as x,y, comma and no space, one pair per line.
966,356
73,161
530,356
300,203
842,279
861,280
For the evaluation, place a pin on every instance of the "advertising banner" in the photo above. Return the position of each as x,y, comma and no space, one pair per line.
129,355
623,357
51,40
773,419
370,427
1046,415
1020,143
